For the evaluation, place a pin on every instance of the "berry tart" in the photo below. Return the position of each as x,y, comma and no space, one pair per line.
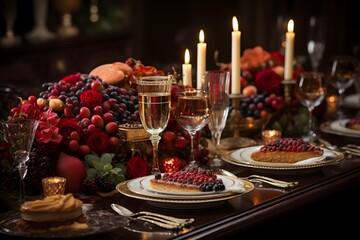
353,123
286,150
53,213
187,180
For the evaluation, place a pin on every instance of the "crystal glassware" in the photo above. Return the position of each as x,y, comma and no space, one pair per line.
316,40
192,113
154,94
218,85
311,90
342,76
20,134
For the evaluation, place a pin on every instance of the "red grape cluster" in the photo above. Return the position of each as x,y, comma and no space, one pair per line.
260,105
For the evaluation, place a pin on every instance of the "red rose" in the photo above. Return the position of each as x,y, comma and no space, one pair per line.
91,98
72,79
136,167
268,81
66,126
98,141
277,58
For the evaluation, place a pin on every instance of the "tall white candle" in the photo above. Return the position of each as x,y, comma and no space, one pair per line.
289,51
186,70
235,58
201,58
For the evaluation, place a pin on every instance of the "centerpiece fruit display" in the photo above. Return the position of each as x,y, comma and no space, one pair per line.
78,135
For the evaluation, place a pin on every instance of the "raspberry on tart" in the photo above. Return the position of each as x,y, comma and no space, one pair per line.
286,150
187,180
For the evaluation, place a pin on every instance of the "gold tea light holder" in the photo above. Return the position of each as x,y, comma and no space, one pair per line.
53,186
269,136
236,141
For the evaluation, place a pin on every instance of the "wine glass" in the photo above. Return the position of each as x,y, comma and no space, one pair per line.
342,76
20,134
311,90
316,40
154,94
218,83
192,113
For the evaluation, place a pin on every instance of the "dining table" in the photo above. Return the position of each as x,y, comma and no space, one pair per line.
326,201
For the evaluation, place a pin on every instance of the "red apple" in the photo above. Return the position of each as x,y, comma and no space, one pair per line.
73,169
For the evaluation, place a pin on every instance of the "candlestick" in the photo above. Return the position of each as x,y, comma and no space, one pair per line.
186,69
201,58
235,58
289,51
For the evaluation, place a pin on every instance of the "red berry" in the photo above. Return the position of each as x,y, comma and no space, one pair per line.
85,112
74,135
111,127
180,142
73,145
97,86
97,121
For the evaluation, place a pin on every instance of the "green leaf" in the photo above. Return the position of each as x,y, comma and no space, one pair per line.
106,158
91,159
91,173
107,167
99,166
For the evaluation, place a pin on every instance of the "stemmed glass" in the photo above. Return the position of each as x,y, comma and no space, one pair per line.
154,94
192,113
20,134
311,91
342,75
316,40
218,83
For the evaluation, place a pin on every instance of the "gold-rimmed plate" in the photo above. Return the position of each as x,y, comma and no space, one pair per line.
242,157
338,127
128,188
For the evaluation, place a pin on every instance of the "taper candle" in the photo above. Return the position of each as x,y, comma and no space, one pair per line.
201,58
289,52
186,70
235,58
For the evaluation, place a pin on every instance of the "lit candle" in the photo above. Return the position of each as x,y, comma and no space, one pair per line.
235,58
53,185
201,58
186,70
289,51
270,136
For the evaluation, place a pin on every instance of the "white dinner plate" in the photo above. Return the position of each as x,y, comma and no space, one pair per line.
338,127
131,188
230,184
242,157
352,101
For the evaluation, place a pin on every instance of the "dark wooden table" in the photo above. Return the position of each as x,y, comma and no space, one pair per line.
325,202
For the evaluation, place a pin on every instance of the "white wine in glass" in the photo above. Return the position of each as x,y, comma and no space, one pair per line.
192,113
311,91
154,94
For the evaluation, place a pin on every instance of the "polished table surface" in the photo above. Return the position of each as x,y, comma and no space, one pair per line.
323,193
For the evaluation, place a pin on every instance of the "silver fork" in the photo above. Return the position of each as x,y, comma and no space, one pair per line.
161,220
258,178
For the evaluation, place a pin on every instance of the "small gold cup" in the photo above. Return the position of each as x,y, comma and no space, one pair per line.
270,136
53,185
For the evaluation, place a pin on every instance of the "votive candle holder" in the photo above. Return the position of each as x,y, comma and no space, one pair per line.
270,136
53,185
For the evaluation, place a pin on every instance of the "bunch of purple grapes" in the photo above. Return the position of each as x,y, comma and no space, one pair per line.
260,105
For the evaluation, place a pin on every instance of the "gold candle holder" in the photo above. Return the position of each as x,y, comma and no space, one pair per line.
270,136
236,141
53,185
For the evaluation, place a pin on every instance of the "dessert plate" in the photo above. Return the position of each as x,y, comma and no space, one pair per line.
338,127
131,188
352,101
242,157
142,186
99,221
231,185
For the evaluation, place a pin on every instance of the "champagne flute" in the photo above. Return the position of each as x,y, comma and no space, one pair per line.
342,75
154,94
311,91
316,40
192,113
20,134
218,83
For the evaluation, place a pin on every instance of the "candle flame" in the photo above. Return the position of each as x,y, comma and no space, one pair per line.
235,24
201,36
187,56
290,25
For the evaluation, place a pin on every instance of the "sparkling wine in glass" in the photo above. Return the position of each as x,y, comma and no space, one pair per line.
316,40
192,113
20,134
342,76
218,84
154,94
311,91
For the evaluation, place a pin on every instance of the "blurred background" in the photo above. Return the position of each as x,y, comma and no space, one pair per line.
45,40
